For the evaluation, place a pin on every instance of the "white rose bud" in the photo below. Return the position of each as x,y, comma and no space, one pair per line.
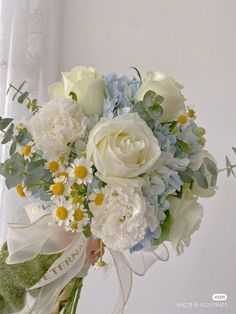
186,217
87,84
168,88
124,147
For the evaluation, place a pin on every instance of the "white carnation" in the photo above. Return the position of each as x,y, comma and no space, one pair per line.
59,122
124,217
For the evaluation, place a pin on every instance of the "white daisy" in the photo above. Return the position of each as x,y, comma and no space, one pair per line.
22,191
81,171
28,150
97,199
60,189
62,212
79,218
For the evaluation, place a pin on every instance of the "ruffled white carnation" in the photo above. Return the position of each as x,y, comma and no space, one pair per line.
58,123
122,220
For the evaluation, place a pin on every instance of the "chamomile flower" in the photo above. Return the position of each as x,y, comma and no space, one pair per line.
62,212
97,199
79,219
28,150
81,171
22,191
60,189
191,113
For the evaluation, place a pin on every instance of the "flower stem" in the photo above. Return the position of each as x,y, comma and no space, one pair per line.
226,168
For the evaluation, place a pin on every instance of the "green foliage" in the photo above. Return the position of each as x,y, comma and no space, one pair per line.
4,123
87,230
23,96
149,109
73,96
229,166
184,146
8,134
165,230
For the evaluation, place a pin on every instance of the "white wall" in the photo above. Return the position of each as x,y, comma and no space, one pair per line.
194,40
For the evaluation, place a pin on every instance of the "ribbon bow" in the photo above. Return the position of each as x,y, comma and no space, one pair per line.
39,237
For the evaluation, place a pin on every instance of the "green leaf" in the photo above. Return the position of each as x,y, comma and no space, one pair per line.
184,146
35,164
8,135
12,181
230,168
4,123
73,96
201,179
211,166
173,125
44,196
23,97
214,180
87,231
165,230
234,149
186,175
18,89
13,148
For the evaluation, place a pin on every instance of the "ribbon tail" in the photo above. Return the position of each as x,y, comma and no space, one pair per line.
49,293
125,278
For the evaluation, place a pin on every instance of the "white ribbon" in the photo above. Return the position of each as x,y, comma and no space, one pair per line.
27,241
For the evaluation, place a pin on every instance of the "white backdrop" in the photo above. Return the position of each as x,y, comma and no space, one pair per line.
194,41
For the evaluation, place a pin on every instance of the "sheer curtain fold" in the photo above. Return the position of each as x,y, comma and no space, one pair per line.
29,45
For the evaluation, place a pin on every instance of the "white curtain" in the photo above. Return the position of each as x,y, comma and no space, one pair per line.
29,46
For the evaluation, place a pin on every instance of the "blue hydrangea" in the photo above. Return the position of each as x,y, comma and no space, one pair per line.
120,94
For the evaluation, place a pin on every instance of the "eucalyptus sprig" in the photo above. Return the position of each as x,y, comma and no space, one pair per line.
229,166
23,97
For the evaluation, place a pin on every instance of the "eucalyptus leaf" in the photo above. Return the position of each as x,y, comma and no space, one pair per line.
18,89
4,123
214,180
234,149
211,166
13,148
12,181
23,97
201,179
8,135
186,175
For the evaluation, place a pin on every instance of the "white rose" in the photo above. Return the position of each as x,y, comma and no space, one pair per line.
124,147
122,220
196,189
186,217
168,88
57,123
88,85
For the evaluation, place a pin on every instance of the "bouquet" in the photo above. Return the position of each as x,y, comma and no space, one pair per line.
109,163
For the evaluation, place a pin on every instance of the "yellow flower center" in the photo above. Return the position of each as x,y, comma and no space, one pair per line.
182,119
61,213
19,126
74,226
58,188
191,113
26,150
53,166
78,214
99,199
19,190
80,172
